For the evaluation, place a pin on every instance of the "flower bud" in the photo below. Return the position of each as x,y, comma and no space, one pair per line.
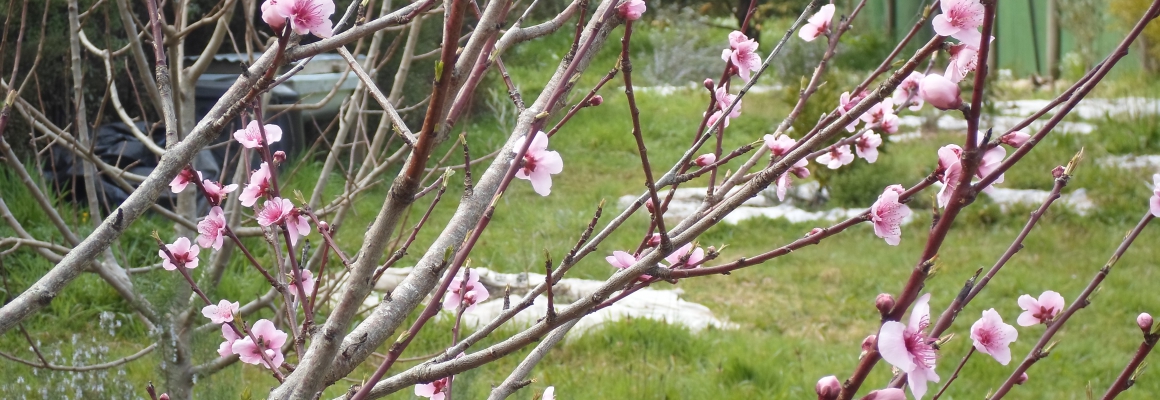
1022,378
654,240
708,83
884,303
1015,139
814,231
650,206
886,394
870,343
1057,172
279,157
323,226
940,92
164,396
1145,322
828,388
632,9
705,159
595,101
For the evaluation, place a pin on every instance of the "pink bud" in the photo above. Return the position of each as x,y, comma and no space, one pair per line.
705,159
1022,378
886,394
828,388
814,231
323,226
650,206
870,343
279,157
654,240
1057,172
1015,139
940,92
884,303
708,83
595,101
1145,322
632,9
164,396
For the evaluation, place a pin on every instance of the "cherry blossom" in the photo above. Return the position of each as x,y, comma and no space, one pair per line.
908,347
297,225
226,349
907,91
992,336
742,54
183,179
783,182
887,214
275,211
828,388
434,390
632,9
211,230
307,280
818,24
882,116
886,394
1040,311
990,162
846,102
779,145
258,186
964,59
270,341
1015,139
271,15
184,254
549,393
866,146
684,258
471,293
306,16
705,159
940,92
724,99
960,19
539,164
1154,202
251,136
623,260
221,313
836,157
215,192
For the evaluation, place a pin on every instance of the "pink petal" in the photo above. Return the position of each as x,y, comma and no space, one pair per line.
920,313
943,26
1027,318
1053,300
892,345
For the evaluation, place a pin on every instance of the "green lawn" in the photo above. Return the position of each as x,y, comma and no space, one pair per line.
800,317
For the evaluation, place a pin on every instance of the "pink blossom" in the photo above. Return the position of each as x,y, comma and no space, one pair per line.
908,347
846,102
623,260
742,53
783,182
828,388
307,16
223,312
307,280
724,99
271,15
632,9
226,349
818,24
867,146
215,192
705,159
210,231
951,168
471,293
992,336
654,240
779,145
964,59
270,341
940,92
882,116
297,225
960,19
183,179
251,136
258,186
683,258
887,214
990,163
435,390
549,393
539,165
274,211
1015,139
184,254
1040,311
907,92
886,394
1154,202
836,157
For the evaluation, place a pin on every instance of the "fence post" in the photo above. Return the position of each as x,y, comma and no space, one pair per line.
1053,39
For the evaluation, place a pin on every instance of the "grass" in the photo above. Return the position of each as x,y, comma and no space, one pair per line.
800,317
